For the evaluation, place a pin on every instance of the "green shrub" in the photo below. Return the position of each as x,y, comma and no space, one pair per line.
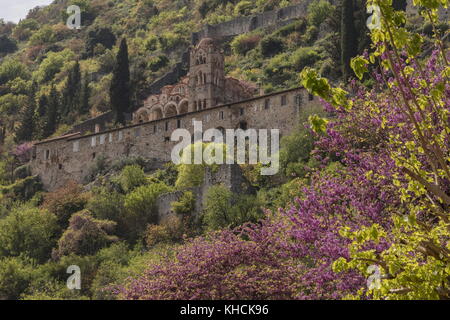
170,40
271,45
7,45
132,177
168,175
190,174
310,35
158,63
151,43
109,205
224,209
140,206
185,205
295,151
15,276
329,69
22,189
28,231
243,8
119,164
43,36
305,56
244,43
11,69
318,11
296,26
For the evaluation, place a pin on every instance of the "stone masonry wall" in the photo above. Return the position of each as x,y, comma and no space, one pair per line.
242,25
228,175
70,158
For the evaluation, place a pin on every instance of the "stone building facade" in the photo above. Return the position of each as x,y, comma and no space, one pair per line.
205,94
204,87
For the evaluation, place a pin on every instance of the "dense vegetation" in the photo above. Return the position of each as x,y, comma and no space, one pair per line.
364,179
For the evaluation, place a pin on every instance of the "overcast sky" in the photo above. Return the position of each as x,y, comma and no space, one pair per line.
14,10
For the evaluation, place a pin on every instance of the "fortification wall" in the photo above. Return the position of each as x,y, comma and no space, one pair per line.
70,158
229,176
247,24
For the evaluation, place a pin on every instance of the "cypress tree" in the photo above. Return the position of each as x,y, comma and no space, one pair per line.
51,117
40,117
72,91
86,92
349,37
26,129
120,85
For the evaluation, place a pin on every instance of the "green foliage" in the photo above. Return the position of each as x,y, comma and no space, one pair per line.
99,167
413,259
158,63
24,29
7,45
120,90
119,164
140,206
99,35
318,11
15,277
28,231
42,36
107,205
191,174
168,175
243,8
11,69
305,56
72,92
271,45
185,205
170,41
243,43
22,189
52,64
223,209
295,151
131,177
26,129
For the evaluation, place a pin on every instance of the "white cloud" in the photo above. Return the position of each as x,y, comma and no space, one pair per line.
14,10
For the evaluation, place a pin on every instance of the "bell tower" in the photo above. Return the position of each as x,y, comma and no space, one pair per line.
206,76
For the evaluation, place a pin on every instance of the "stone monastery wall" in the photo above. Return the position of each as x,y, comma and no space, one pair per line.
205,94
70,157
246,24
